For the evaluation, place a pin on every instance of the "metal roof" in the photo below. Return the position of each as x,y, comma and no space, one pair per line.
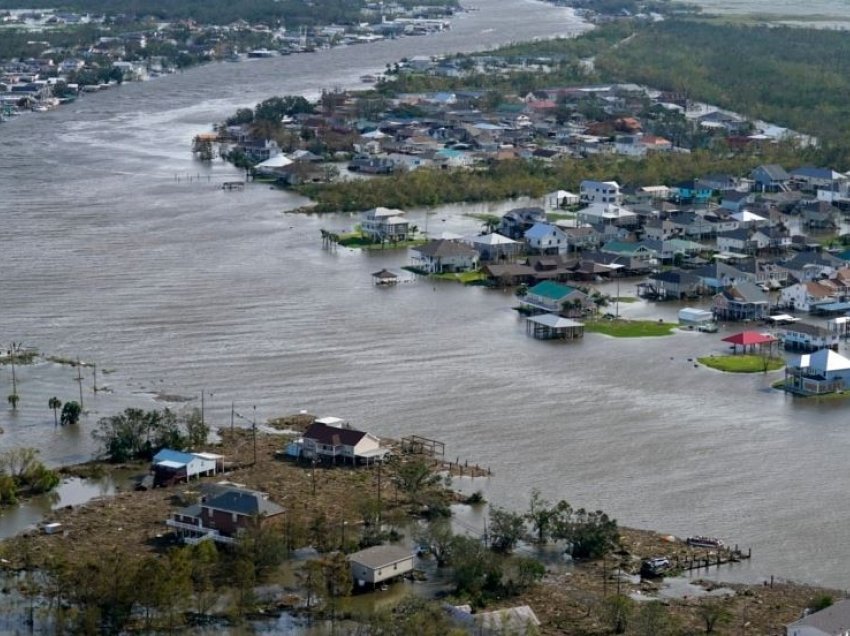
554,322
380,556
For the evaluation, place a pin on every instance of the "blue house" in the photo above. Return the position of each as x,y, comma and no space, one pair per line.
692,191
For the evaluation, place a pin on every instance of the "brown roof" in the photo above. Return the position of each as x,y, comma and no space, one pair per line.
333,436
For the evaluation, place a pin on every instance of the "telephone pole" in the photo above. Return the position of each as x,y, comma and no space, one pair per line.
254,433
80,380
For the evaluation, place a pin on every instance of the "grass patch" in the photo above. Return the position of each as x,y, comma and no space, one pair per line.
620,328
467,278
560,216
359,241
623,299
743,363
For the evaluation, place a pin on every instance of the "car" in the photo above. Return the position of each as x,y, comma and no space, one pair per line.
655,566
708,327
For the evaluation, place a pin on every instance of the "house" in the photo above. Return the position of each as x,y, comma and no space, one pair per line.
717,182
607,214
384,224
600,192
555,298
812,178
674,285
224,512
380,563
824,371
691,192
330,438
582,237
806,337
742,301
632,251
807,295
171,466
444,256
735,241
516,222
545,238
495,247
735,201
770,178
693,316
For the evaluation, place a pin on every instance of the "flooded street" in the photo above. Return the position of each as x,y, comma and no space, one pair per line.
178,287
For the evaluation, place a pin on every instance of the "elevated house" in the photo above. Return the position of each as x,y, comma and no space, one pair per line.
602,214
741,301
600,192
770,178
333,441
811,178
545,238
555,298
444,256
632,254
223,514
171,466
384,224
671,285
691,191
801,336
495,247
516,222
380,563
823,371
807,296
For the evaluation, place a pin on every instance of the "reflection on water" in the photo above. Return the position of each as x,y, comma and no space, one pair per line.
72,491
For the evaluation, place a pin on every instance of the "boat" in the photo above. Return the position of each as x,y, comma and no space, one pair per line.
368,79
704,542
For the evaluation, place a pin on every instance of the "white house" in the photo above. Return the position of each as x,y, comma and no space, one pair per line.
437,257
384,224
547,239
600,192
831,621
805,296
332,438
606,214
380,563
173,466
824,371
806,337
494,246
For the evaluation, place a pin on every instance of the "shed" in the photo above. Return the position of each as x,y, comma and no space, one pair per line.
380,563
692,316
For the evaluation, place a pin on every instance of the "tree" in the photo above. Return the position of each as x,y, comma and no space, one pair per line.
312,578
13,400
713,614
55,403
70,413
540,514
203,561
506,529
137,434
197,430
438,536
590,534
415,478
615,611
474,568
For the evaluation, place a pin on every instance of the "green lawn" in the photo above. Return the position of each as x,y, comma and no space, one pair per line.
630,328
356,239
742,363
467,278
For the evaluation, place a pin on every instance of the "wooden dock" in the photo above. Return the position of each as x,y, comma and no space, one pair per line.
233,185
435,452
723,556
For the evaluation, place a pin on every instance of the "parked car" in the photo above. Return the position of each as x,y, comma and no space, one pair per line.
654,567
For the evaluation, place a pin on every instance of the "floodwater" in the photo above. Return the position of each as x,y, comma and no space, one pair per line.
178,287
821,14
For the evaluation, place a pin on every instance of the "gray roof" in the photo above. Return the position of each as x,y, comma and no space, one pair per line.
380,556
834,619
445,248
243,502
774,171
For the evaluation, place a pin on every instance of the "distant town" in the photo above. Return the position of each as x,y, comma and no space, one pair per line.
60,54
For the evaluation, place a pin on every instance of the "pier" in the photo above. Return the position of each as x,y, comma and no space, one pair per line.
723,556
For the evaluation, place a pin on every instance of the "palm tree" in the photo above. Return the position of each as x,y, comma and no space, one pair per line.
55,403
13,400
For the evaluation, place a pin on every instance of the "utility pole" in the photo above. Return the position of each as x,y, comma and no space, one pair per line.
254,433
80,380
12,360
232,414
94,376
203,421
380,504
